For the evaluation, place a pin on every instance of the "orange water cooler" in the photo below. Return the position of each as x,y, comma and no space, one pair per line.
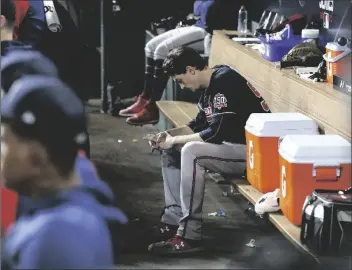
309,162
263,131
338,61
9,200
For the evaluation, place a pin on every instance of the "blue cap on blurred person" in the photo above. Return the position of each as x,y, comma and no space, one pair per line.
19,63
45,109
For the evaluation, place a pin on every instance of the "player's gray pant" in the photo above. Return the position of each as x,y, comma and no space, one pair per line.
191,36
183,173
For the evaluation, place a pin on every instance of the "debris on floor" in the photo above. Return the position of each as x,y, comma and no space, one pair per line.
250,210
219,213
234,190
119,141
251,244
134,140
225,194
149,137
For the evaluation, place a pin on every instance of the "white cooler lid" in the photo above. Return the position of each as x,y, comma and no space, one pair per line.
334,46
315,149
280,124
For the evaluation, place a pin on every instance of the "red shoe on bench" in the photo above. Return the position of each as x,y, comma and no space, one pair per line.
149,115
135,108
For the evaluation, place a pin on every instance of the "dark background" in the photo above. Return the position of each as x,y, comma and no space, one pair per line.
125,38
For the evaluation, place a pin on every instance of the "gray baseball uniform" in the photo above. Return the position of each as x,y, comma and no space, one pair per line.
183,173
224,108
191,36
161,45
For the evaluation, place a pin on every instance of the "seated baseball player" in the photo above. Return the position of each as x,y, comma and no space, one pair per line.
214,140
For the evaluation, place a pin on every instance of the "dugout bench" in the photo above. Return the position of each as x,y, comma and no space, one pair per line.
284,92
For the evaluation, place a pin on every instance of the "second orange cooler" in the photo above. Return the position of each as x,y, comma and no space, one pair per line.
309,162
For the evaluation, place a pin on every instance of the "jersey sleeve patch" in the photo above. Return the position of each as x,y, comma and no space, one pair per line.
220,101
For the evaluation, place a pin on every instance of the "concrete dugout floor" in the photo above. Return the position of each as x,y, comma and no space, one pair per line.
134,174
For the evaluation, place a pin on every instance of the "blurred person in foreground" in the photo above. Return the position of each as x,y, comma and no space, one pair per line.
43,126
21,63
19,67
16,64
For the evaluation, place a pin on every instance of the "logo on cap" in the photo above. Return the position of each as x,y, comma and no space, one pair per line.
28,118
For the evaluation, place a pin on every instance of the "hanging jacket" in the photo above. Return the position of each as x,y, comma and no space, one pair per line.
21,11
30,23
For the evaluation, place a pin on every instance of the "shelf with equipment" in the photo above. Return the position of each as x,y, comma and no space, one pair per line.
282,89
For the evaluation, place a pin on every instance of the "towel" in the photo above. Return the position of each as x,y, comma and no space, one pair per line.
52,19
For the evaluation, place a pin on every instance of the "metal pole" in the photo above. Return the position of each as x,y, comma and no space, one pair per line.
104,105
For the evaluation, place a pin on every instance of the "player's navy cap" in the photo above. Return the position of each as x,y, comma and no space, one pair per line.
19,63
45,109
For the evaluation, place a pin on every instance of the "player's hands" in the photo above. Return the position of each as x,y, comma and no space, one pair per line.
166,141
160,137
152,141
162,140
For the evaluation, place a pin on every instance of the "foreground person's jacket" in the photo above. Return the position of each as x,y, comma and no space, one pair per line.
67,231
8,46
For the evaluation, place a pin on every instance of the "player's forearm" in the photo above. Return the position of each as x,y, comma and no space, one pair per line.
183,139
184,130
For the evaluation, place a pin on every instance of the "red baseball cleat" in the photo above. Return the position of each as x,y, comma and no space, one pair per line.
149,115
135,108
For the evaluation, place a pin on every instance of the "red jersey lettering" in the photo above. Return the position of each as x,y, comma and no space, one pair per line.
255,91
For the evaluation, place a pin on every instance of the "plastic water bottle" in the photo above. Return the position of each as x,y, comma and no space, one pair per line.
242,21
